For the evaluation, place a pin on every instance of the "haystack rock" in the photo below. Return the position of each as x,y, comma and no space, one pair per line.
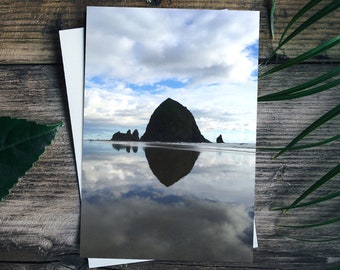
172,122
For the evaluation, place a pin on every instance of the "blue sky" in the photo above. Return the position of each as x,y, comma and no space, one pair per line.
204,59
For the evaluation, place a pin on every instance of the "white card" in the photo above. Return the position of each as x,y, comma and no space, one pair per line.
72,46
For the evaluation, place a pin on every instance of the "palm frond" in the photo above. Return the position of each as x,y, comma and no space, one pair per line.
300,87
324,179
271,18
298,15
308,92
302,146
323,119
309,54
327,222
317,16
315,240
312,202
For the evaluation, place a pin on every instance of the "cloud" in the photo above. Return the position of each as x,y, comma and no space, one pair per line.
144,46
190,229
204,216
216,175
204,59
216,110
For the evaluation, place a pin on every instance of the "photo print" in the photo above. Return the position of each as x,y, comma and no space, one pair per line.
168,169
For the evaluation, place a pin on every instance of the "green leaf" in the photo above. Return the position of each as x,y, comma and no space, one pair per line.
308,84
21,144
318,200
297,16
302,146
317,16
317,184
334,268
323,119
271,17
302,57
308,92
315,240
327,222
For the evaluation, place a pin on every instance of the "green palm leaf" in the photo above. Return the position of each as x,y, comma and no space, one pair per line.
315,240
308,92
297,16
323,12
311,53
302,146
323,119
308,88
318,200
327,222
308,84
324,179
271,18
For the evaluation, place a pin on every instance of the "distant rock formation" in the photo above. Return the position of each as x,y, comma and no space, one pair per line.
219,139
172,122
128,136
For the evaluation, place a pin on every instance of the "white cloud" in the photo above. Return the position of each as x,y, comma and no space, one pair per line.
208,51
148,45
217,231
214,109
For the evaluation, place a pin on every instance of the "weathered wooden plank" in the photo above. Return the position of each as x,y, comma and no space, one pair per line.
279,182
39,222
29,29
39,219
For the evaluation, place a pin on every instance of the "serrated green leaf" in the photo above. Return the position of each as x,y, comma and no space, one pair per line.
21,144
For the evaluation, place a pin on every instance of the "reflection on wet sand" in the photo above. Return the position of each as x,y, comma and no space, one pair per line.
168,165
206,215
128,148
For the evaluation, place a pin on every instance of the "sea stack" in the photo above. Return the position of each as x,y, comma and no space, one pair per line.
219,139
172,122
128,136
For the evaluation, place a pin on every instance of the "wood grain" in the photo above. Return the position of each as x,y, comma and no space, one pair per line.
29,29
40,217
39,223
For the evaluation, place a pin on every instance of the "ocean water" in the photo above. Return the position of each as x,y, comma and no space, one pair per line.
168,201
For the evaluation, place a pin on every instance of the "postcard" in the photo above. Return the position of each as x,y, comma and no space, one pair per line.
169,134
190,199
72,46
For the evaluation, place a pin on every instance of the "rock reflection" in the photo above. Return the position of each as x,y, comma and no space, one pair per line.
167,164
170,165
127,148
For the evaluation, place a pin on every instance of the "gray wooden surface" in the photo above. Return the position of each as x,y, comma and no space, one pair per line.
39,222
